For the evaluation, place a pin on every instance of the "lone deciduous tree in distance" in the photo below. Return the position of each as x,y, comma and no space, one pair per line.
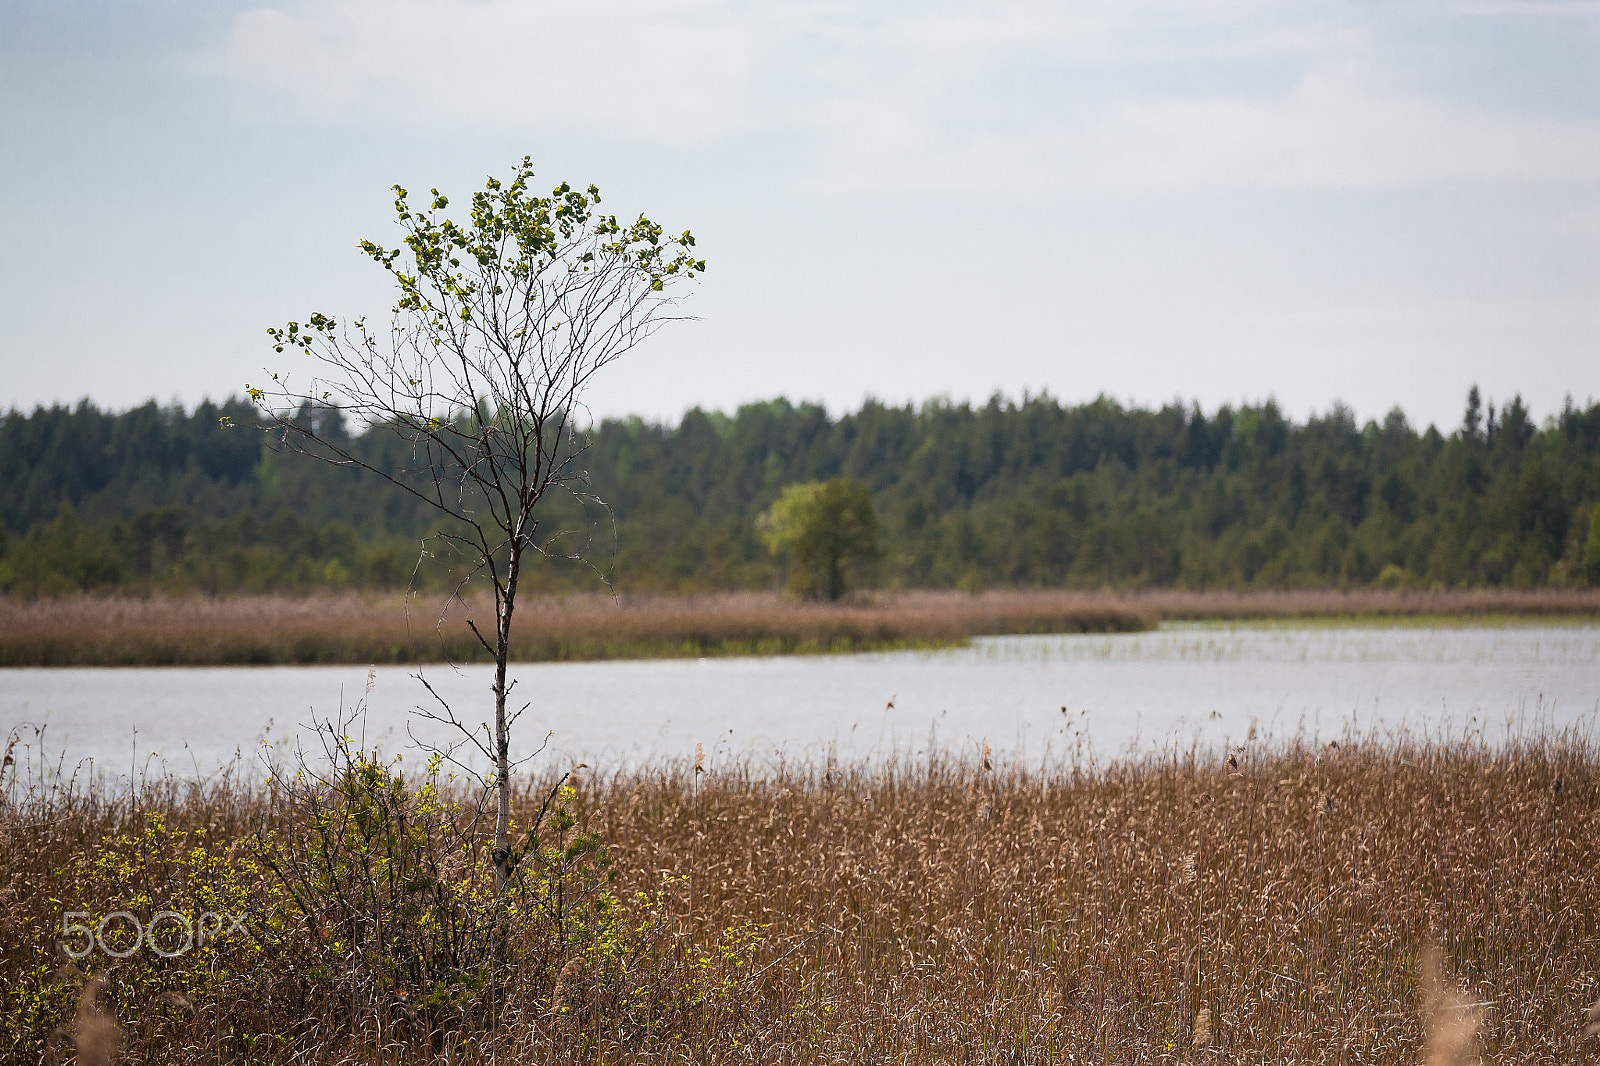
826,528
501,322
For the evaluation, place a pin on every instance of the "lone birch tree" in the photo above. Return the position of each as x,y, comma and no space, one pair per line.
501,322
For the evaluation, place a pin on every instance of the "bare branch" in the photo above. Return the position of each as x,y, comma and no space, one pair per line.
498,329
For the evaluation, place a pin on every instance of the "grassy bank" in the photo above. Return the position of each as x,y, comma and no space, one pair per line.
351,628
1276,906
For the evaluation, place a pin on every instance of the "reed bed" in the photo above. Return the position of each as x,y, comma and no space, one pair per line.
1355,604
1365,902
370,629
358,628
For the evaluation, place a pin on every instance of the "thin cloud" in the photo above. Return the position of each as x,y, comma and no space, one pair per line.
1581,8
954,95
1332,133
659,72
715,67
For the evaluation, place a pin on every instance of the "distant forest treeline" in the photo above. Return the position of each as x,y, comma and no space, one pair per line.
1003,494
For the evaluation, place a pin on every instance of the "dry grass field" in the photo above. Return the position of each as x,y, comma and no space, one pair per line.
1365,903
154,631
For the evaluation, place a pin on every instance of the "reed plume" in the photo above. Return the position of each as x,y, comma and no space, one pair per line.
570,992
96,1032
1451,1019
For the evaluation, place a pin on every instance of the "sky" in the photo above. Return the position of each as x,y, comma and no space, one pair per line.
1373,203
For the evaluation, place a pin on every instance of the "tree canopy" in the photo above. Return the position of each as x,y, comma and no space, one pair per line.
1032,492
827,530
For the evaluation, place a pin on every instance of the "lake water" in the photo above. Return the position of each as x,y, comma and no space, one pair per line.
1034,698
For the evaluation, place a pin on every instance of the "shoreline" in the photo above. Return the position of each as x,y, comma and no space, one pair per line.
363,628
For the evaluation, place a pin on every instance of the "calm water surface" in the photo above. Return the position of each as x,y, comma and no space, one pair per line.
1034,698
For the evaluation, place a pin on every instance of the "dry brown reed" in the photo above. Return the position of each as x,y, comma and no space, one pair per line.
196,630
1451,1019
1248,906
95,1033
1095,914
1345,604
354,628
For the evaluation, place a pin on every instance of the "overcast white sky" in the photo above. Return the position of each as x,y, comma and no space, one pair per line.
1375,202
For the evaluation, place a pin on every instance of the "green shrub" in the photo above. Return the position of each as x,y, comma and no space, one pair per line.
363,904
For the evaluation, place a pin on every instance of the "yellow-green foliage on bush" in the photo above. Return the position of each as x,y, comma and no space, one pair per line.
360,904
